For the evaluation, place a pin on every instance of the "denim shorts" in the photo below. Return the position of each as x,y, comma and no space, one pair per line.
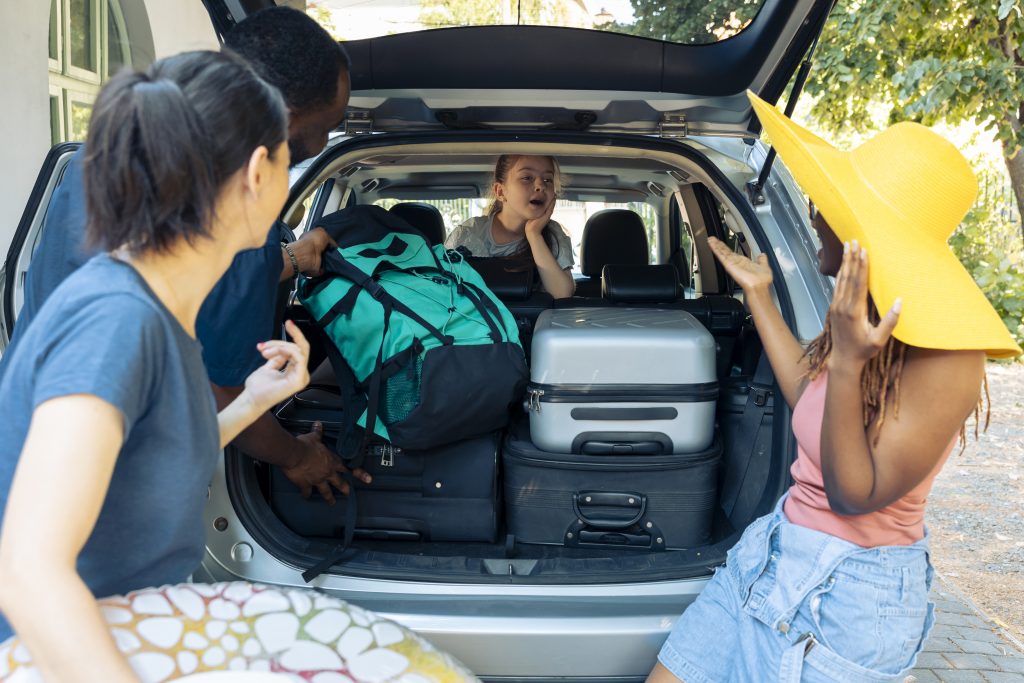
796,605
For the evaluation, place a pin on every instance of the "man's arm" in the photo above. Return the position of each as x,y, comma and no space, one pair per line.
308,251
305,460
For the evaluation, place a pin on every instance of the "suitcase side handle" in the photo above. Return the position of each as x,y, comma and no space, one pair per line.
606,499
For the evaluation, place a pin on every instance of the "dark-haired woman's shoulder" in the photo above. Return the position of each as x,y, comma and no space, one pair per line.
102,332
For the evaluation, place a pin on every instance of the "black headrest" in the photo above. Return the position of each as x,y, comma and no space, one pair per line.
424,217
613,236
501,277
640,284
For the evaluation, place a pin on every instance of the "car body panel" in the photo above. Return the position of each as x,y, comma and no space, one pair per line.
460,77
27,234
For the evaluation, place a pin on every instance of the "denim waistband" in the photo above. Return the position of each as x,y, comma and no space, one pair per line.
807,558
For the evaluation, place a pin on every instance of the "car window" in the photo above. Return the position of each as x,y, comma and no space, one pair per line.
571,215
358,19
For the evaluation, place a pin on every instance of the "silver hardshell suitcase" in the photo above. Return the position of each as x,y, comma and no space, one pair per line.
614,381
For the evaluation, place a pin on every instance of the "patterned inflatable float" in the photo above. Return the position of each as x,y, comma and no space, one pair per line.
304,637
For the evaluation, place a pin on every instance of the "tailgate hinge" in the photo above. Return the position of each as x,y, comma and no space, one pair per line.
673,126
358,123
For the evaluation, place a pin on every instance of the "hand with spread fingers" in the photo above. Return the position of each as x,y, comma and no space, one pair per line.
855,338
317,467
284,373
748,273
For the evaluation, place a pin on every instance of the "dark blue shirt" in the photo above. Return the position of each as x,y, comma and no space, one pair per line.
104,333
238,314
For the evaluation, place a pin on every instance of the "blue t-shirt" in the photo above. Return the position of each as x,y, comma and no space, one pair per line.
105,333
238,314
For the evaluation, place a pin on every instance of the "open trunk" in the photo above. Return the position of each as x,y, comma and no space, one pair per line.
750,425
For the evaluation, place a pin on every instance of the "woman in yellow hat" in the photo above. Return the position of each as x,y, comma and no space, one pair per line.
833,585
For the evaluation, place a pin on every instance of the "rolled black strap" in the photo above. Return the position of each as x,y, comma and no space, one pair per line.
338,553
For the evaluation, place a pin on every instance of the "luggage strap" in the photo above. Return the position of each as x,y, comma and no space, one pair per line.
762,387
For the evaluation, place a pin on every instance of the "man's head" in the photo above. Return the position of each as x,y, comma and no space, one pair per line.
295,54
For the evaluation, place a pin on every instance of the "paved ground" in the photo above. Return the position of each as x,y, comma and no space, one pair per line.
966,646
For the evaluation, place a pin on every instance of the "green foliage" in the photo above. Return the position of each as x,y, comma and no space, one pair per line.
689,21
989,247
445,13
928,60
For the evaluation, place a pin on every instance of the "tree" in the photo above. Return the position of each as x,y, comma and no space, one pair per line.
445,13
689,21
926,60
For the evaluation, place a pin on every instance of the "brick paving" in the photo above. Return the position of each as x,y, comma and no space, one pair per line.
966,646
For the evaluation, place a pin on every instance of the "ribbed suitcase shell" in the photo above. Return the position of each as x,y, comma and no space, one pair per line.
622,380
646,503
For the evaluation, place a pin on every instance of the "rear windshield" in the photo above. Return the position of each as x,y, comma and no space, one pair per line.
570,215
677,21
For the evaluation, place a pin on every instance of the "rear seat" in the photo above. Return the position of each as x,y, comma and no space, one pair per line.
611,236
424,217
658,287
515,289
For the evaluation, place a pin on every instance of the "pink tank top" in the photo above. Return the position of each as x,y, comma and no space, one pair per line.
901,523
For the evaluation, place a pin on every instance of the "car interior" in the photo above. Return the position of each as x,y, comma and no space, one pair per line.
653,255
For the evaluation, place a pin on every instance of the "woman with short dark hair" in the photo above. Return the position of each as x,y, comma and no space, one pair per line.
110,432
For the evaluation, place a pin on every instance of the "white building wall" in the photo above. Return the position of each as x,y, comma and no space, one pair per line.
175,25
25,108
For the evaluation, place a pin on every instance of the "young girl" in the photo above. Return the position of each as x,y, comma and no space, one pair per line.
110,432
518,221
833,585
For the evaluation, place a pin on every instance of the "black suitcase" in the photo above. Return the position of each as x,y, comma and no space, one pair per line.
448,493
643,502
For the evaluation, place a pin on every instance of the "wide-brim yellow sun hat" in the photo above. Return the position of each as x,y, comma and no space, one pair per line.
901,195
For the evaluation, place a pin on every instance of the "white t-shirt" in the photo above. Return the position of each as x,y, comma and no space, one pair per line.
476,236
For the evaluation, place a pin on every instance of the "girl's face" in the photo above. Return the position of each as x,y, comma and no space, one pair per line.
529,188
830,256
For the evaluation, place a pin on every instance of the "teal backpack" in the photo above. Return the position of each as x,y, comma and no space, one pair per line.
424,353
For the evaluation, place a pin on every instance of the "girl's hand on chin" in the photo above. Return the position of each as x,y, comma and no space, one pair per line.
535,226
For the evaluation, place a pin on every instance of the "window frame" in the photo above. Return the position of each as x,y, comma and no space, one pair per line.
75,84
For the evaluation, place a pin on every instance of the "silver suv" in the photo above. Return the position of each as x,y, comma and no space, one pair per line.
659,128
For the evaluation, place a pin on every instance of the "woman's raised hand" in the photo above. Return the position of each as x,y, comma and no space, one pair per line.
284,373
748,274
855,340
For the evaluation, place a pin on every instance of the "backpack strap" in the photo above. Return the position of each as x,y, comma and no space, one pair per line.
347,383
487,309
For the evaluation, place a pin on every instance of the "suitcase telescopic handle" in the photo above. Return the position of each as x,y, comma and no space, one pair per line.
607,499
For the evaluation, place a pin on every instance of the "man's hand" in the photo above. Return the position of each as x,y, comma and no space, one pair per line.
317,467
309,250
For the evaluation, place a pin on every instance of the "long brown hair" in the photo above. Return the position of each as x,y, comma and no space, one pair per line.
881,377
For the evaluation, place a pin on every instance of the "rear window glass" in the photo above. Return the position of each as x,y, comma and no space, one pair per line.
678,21
569,214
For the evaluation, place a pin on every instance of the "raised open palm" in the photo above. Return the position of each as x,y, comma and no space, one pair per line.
747,273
